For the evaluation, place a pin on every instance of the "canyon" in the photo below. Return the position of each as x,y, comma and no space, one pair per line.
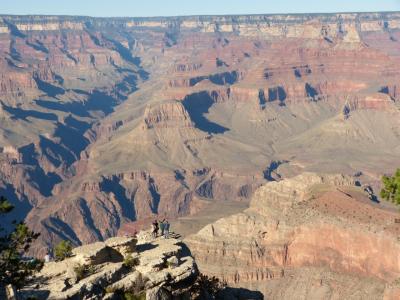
109,122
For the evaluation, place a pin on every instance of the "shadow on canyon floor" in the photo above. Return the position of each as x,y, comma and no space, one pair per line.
22,114
197,105
239,294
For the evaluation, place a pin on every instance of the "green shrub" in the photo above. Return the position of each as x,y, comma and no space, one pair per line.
131,262
63,250
79,271
82,271
391,188
206,287
132,296
164,265
110,290
169,264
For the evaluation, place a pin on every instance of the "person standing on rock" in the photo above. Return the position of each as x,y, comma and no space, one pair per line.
162,227
166,229
154,228
47,257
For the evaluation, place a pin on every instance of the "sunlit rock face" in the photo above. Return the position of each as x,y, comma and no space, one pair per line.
154,268
108,121
308,237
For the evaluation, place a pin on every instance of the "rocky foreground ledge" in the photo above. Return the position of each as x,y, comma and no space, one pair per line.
145,267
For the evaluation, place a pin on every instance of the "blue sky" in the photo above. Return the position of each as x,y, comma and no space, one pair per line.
137,8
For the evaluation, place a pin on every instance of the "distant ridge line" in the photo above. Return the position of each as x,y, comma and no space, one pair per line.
313,14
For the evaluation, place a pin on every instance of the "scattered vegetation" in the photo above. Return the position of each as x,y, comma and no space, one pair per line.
396,282
15,241
132,296
164,265
82,271
391,188
206,287
169,264
131,262
63,250
110,290
5,205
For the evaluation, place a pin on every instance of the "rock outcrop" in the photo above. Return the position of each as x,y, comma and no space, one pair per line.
166,115
308,237
157,269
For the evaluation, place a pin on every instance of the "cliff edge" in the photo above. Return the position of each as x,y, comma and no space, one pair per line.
145,267
309,237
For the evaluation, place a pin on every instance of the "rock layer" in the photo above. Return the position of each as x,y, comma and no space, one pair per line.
302,238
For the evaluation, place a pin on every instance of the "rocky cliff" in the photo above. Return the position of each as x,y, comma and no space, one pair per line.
154,269
108,121
308,237
299,25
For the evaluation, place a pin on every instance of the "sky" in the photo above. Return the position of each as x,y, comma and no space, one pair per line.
143,8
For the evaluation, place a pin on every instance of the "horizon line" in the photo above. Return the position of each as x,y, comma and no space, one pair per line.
201,15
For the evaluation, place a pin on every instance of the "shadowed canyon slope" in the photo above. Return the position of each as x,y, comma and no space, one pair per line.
105,121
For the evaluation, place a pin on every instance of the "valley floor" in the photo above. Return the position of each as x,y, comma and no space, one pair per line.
213,211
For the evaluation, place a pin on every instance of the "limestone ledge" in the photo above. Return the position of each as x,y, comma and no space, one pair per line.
302,25
163,267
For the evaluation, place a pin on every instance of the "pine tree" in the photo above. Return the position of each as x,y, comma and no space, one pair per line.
63,250
15,268
391,188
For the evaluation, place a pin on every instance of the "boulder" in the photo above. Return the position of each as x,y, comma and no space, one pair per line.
124,245
97,253
158,293
132,282
173,262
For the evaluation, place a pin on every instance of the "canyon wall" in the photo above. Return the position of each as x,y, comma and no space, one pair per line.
108,121
304,237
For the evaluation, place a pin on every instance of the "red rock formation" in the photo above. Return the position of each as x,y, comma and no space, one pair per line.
167,115
306,225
